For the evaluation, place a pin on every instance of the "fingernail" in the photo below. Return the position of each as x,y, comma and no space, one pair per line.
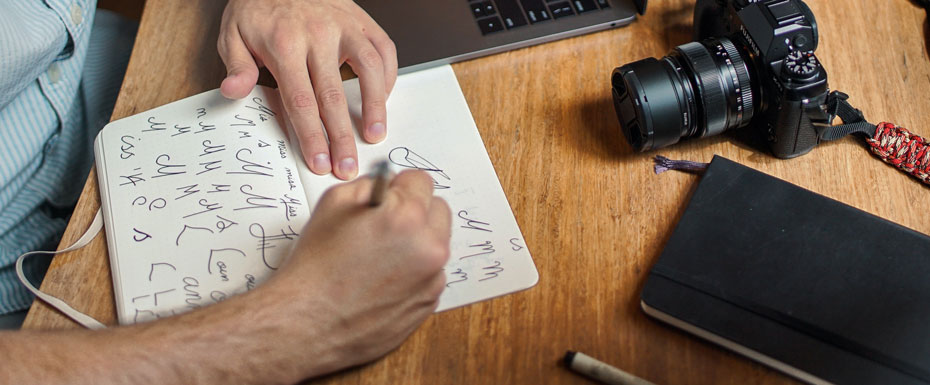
321,163
376,130
347,167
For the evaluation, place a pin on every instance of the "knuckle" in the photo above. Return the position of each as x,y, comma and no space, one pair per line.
312,136
227,40
409,218
416,212
302,101
374,104
424,179
370,59
386,43
431,257
390,46
446,217
341,137
441,204
282,42
319,29
331,97
438,254
410,176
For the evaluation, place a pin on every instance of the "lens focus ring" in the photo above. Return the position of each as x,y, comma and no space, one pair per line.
743,88
713,102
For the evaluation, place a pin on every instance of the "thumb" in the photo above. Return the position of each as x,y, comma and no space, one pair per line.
241,71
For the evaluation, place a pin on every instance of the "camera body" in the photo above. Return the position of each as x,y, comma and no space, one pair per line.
752,64
781,37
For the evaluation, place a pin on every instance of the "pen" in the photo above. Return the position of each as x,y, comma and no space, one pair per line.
380,185
597,370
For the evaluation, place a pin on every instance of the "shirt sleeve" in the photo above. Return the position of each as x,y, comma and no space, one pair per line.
32,36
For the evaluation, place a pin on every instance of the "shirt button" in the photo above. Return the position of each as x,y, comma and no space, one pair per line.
77,14
54,73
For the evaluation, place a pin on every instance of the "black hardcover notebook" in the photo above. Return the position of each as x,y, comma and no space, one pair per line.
805,284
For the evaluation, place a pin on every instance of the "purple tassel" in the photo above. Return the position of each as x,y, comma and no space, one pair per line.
664,164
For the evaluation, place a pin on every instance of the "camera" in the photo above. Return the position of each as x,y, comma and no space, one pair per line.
752,64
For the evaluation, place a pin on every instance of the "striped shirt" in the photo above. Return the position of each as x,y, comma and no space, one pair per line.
57,89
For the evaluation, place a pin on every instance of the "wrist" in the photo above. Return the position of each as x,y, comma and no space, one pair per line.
286,330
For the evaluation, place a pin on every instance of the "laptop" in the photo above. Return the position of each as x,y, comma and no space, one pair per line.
428,33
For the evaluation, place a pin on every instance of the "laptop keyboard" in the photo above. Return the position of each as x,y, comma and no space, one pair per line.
499,15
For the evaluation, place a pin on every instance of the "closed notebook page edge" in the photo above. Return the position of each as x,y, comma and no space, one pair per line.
100,165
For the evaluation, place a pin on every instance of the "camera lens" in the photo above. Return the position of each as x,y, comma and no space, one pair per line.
698,90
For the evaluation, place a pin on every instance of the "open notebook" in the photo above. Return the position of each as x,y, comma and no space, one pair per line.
204,197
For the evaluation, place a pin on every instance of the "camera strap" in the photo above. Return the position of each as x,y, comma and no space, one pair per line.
894,144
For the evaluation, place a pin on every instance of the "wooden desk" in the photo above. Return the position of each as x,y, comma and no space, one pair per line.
593,213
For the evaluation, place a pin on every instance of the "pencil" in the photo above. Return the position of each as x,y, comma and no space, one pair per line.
381,181
597,370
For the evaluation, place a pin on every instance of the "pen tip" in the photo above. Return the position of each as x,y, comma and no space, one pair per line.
569,357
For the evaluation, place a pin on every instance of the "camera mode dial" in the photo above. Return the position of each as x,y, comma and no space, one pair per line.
801,65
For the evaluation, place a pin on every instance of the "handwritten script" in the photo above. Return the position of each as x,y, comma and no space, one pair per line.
204,197
203,205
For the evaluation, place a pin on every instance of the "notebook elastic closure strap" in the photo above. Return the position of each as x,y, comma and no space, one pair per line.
715,291
55,302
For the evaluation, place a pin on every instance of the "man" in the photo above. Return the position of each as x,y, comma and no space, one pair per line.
337,302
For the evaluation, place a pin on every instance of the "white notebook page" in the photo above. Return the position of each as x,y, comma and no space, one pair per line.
431,128
203,197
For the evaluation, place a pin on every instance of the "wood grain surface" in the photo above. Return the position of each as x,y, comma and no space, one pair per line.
593,214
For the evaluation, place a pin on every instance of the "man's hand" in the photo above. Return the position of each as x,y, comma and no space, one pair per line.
359,282
367,276
303,43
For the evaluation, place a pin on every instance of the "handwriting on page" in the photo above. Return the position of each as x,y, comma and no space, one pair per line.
479,249
488,257
207,196
205,202
432,130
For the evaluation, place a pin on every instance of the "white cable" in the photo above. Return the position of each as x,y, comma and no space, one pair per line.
81,318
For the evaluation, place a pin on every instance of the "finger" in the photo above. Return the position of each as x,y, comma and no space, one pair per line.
388,52
435,287
241,69
300,105
425,297
324,73
440,218
414,184
358,192
366,63
385,47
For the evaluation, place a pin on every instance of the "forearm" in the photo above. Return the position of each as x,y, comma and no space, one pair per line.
360,280
224,344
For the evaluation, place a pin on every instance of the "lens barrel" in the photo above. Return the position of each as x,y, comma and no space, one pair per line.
698,90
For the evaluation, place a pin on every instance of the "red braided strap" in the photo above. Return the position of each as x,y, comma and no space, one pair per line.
899,147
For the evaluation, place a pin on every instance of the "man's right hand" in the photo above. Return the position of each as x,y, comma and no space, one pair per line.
359,282
363,278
